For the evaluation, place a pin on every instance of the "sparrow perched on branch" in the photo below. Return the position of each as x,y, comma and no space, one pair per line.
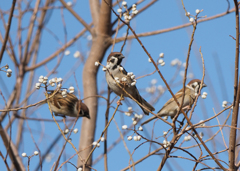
116,74
68,105
171,108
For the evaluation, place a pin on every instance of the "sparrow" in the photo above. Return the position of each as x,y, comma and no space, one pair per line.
170,108
67,105
117,74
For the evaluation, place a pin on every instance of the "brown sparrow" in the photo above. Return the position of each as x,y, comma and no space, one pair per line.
170,108
117,74
68,105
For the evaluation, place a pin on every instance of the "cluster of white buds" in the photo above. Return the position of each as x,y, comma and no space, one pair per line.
134,9
224,104
44,80
137,138
129,112
166,143
187,138
8,70
176,62
71,89
76,54
203,124
161,62
132,76
96,144
204,95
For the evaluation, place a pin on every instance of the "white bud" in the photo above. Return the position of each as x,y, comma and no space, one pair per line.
66,131
94,143
37,86
164,133
186,138
133,76
135,12
197,11
45,78
67,52
9,70
224,102
134,122
161,55
134,5
8,74
140,128
52,84
129,17
129,138
129,108
24,154
104,69
174,62
76,54
127,113
124,79
121,68
64,93
44,82
160,61
149,60
130,73
107,66
102,139
59,80
139,137
98,144
205,93
124,127
153,81
75,130
162,64
187,14
140,116
6,66
165,117
69,3
119,10
96,63
124,3
79,169
41,77
71,88
136,115
135,138
35,153
201,134
40,80
133,83
204,96
203,124
191,20
89,37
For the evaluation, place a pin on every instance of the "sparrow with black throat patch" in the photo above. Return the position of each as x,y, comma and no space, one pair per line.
117,74
170,108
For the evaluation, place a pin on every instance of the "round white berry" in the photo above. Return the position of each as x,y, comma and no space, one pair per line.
139,137
133,76
66,131
129,108
52,84
205,93
140,116
197,11
160,61
153,81
124,79
162,64
9,70
130,73
187,14
59,80
164,133
133,83
204,96
104,69
127,113
149,60
135,12
98,144
140,128
79,169
35,153
121,68
135,138
134,5
69,3
94,143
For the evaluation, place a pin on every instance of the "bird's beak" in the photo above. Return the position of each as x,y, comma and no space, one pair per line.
88,116
204,85
121,57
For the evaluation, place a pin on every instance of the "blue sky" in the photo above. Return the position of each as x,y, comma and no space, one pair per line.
218,50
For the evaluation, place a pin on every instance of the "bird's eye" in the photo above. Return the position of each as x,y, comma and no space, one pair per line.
117,55
112,60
